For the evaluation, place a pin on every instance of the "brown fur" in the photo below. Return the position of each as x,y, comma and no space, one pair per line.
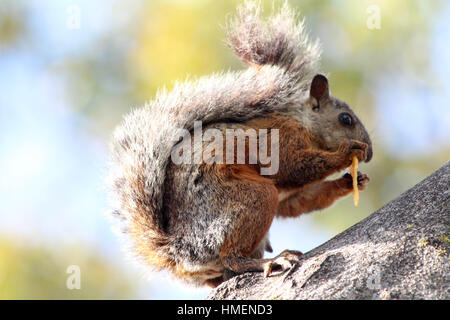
312,197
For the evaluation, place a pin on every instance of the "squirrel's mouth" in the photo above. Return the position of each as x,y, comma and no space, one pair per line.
369,153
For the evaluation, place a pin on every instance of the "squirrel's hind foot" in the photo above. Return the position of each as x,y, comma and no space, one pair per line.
284,261
235,264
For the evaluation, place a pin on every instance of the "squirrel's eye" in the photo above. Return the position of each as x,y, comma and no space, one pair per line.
345,119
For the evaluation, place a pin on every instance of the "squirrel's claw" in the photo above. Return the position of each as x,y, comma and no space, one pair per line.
363,180
284,261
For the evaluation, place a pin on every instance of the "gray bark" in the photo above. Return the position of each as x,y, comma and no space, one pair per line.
399,252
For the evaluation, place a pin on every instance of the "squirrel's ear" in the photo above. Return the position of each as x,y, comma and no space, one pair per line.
319,87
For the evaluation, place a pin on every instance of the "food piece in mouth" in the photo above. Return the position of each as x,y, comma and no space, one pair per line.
354,173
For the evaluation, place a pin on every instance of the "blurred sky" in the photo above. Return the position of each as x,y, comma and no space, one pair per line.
52,161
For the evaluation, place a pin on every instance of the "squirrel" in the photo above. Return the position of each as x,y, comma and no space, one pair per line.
205,221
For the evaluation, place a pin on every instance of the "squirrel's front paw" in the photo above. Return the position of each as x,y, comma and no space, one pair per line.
284,261
351,148
363,180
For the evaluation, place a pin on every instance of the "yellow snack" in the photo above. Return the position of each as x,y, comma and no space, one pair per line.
354,173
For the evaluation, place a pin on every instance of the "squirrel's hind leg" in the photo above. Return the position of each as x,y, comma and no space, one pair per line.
244,246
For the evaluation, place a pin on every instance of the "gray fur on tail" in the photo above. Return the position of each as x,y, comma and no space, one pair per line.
279,40
142,144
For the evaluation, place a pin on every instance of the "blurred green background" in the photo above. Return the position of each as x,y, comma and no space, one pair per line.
69,71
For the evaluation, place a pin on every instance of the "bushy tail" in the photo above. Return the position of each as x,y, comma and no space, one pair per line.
279,40
142,145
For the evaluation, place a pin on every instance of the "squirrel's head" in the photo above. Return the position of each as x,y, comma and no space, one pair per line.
334,121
